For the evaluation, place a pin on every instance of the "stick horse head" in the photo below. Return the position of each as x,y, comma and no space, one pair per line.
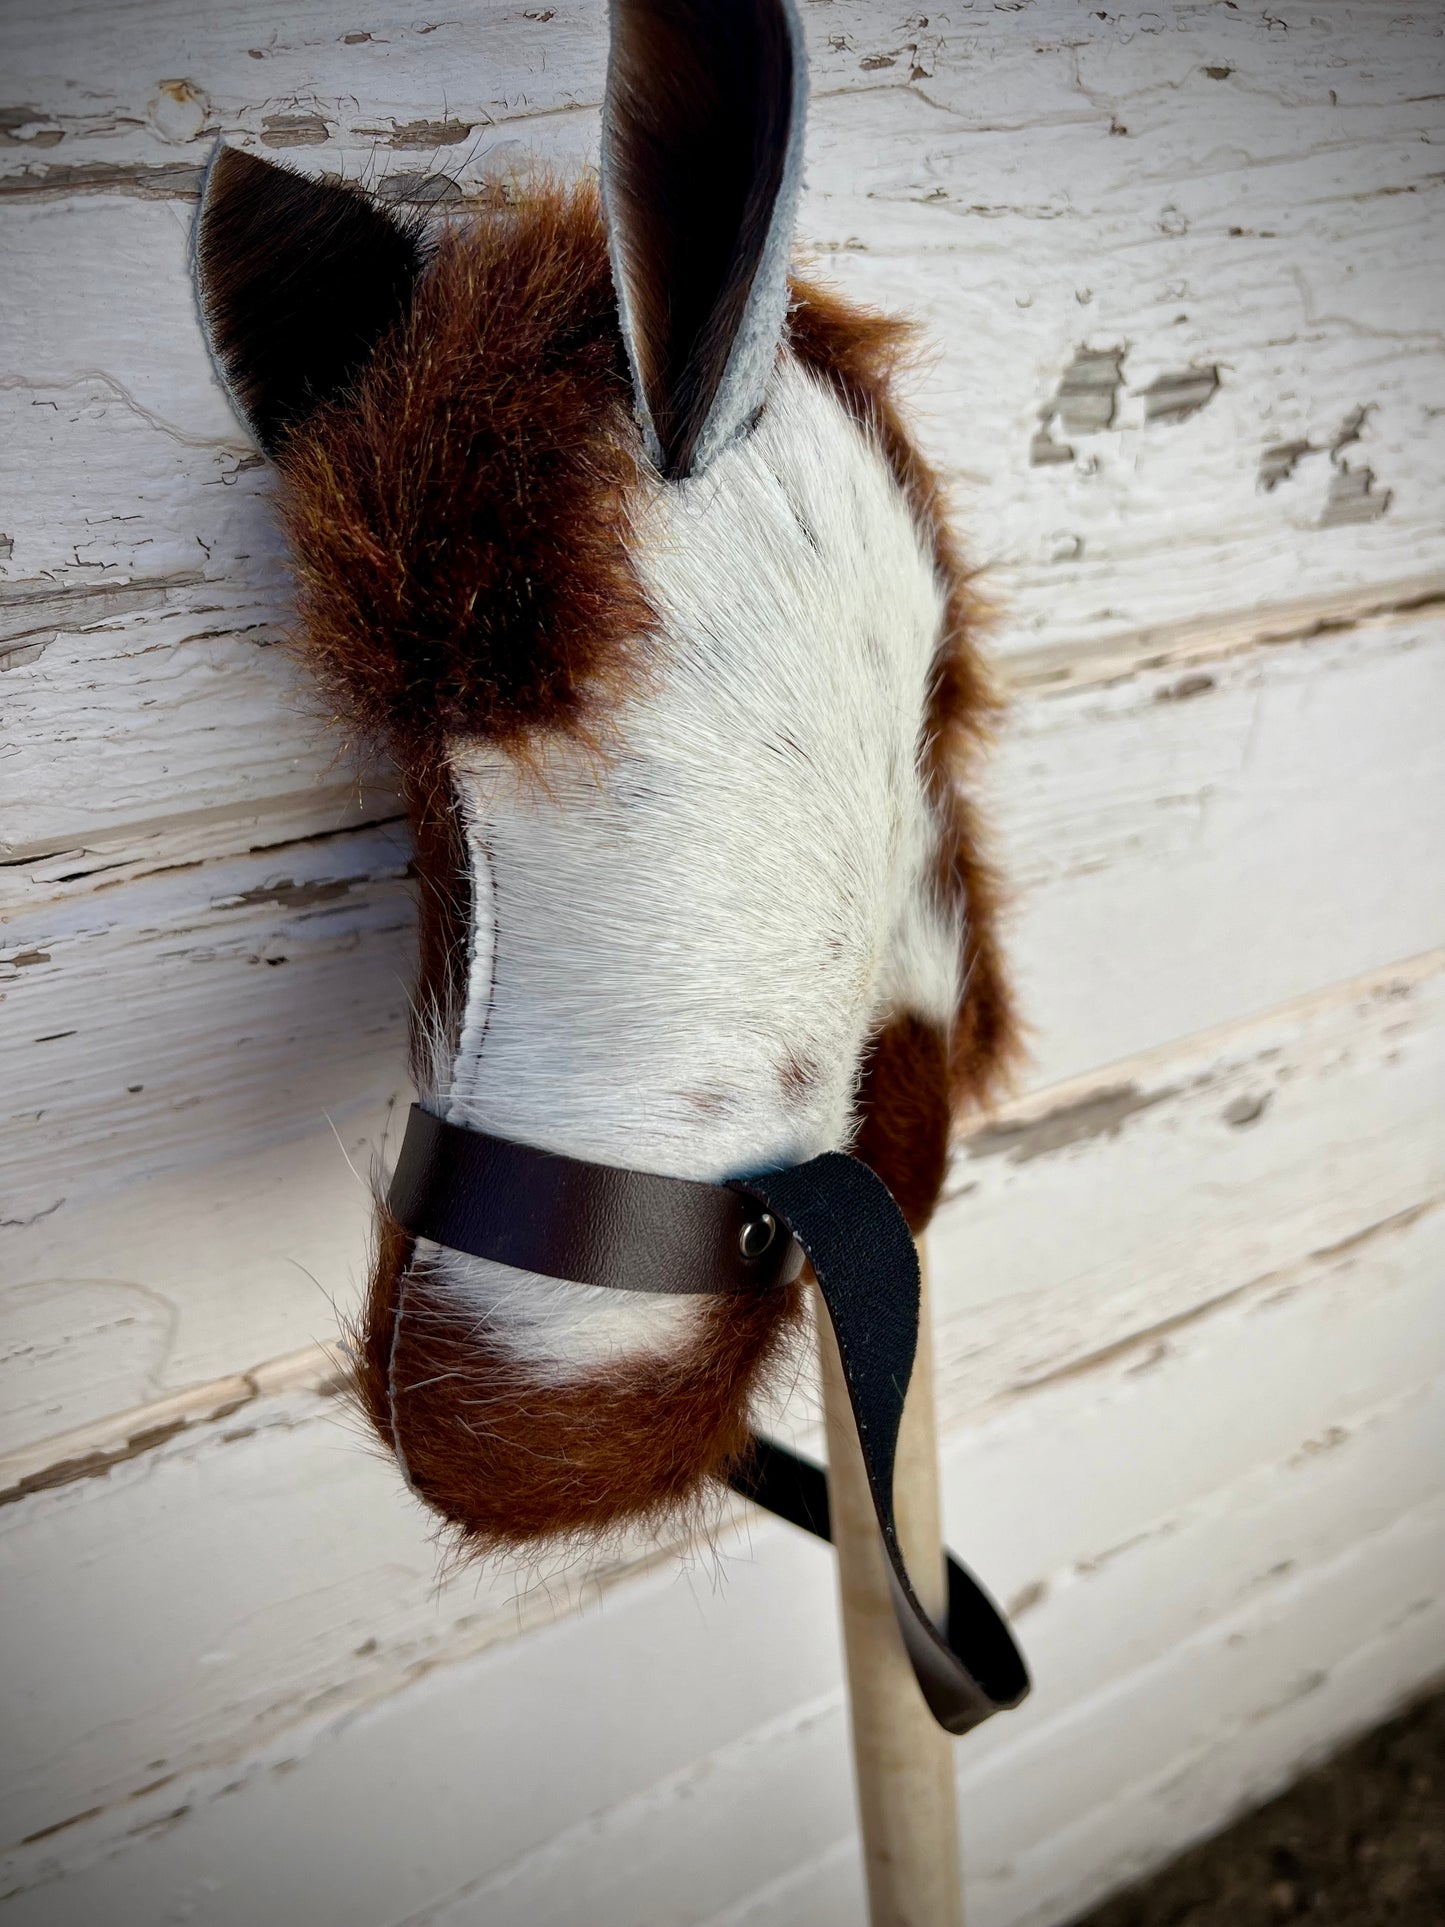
612,533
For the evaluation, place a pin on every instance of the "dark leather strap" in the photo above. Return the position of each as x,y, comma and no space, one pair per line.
593,1224
599,1225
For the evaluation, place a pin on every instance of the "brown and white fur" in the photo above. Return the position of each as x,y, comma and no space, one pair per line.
674,650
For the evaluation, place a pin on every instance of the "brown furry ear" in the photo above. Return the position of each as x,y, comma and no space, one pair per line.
702,137
297,282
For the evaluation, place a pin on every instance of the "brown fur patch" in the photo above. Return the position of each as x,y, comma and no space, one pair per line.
460,519
512,1457
905,1113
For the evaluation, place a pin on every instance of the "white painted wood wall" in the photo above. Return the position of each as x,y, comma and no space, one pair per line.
1183,265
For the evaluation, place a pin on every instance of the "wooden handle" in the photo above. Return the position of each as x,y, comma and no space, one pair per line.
902,1760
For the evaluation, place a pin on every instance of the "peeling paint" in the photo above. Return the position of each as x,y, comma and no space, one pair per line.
15,121
1353,497
294,896
1044,451
1279,461
1087,391
1197,684
431,133
1083,404
1180,393
420,190
18,655
1100,1114
294,130
92,1464
162,181
179,111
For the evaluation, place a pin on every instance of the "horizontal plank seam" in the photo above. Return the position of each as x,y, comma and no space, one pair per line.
659,1793
1323,1257
1064,666
1137,1077
92,1450
203,1783
1035,676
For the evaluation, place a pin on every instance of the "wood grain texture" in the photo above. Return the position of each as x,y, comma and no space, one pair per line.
1231,1593
282,1577
1265,207
1190,842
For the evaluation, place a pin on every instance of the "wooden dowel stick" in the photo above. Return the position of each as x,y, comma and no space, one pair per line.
902,1760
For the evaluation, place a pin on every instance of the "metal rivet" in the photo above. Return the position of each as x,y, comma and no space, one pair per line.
757,1235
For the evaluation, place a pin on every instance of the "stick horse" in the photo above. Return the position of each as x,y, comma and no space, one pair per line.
612,534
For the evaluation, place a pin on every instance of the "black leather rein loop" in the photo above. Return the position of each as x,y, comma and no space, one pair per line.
595,1224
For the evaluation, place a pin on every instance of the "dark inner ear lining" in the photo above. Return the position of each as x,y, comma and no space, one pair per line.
299,279
698,152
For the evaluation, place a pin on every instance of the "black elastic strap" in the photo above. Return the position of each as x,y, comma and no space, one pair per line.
601,1225
866,1264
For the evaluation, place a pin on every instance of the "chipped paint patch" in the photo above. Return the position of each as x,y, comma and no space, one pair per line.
1179,393
294,130
1197,684
1088,389
1246,1109
420,190
178,111
28,127
1044,451
431,133
1100,1114
1082,404
1353,497
1279,462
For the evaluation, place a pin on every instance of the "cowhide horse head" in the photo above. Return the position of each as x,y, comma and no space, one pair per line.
613,534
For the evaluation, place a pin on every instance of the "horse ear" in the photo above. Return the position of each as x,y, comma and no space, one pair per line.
297,281
702,148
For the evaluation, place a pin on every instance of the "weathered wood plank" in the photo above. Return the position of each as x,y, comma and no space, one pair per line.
1190,1201
203,1011
1119,1205
1188,847
1253,1577
1270,214
1282,835
1332,1693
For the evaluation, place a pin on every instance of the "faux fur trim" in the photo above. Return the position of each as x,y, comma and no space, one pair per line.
460,520
513,1459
